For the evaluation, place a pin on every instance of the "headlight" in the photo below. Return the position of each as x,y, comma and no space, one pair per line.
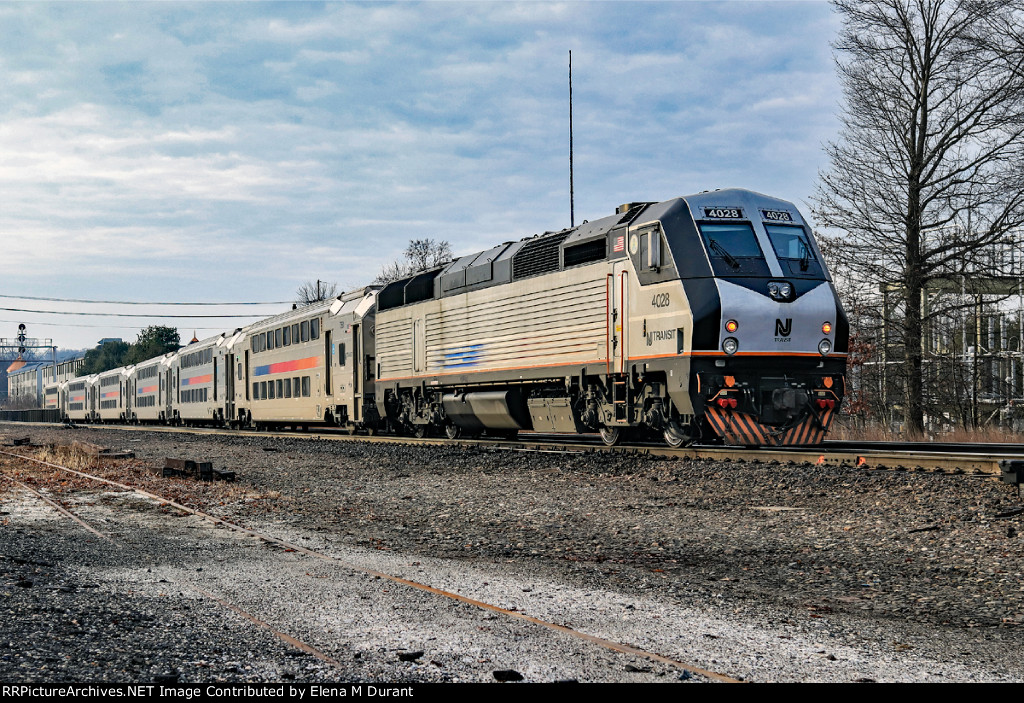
824,347
780,290
730,345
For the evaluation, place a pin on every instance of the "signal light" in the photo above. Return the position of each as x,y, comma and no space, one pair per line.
829,403
731,326
826,328
727,402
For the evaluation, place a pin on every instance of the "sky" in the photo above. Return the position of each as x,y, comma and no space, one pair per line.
229,152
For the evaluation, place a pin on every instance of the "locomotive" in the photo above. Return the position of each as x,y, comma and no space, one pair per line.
708,317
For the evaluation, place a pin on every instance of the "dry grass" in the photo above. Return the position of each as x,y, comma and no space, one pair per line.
878,433
137,473
71,457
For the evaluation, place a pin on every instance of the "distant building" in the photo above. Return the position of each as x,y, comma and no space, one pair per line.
110,339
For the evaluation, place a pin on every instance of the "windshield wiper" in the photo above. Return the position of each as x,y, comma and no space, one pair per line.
720,250
805,257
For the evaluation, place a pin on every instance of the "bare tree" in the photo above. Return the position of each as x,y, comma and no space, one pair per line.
926,178
315,291
420,255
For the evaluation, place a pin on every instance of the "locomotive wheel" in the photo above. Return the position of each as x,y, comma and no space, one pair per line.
675,437
610,436
452,431
419,431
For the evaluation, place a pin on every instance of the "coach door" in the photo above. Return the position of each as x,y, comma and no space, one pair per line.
229,387
328,360
169,394
357,387
616,304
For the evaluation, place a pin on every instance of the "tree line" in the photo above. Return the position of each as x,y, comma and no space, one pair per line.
924,194
153,341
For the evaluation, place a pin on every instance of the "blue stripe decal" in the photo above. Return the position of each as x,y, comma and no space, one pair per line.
463,356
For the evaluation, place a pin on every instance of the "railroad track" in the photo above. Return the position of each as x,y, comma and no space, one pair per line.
977,459
601,642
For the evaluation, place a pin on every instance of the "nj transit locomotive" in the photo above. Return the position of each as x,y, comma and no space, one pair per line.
702,318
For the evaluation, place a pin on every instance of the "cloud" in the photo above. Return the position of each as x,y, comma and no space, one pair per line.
240,149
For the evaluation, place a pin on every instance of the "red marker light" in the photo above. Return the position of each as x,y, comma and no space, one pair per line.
731,326
826,328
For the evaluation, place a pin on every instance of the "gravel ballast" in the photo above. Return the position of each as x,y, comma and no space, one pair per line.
766,572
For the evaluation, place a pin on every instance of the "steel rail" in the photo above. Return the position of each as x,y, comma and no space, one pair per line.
284,637
593,639
925,457
59,508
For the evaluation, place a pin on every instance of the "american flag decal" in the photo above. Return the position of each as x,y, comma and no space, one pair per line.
620,243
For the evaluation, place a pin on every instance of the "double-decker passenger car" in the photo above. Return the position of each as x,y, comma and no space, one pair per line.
196,377
147,390
107,395
309,365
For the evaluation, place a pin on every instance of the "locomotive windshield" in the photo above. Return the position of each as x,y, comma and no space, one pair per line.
794,251
733,249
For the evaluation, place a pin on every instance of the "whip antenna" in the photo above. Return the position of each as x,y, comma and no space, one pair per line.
572,194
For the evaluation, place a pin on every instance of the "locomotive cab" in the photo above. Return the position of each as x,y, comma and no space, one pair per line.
767,337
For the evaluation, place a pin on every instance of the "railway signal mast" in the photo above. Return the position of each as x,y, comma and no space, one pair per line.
22,343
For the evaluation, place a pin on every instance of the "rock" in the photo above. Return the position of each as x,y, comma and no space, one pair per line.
507,675
168,678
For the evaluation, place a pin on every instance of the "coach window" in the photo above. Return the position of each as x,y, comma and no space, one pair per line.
277,338
271,394
314,328
255,390
341,354
280,390
287,387
305,386
295,333
286,335
270,340
304,327
297,389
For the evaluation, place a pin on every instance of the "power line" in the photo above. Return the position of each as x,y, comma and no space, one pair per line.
106,327
135,302
124,314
